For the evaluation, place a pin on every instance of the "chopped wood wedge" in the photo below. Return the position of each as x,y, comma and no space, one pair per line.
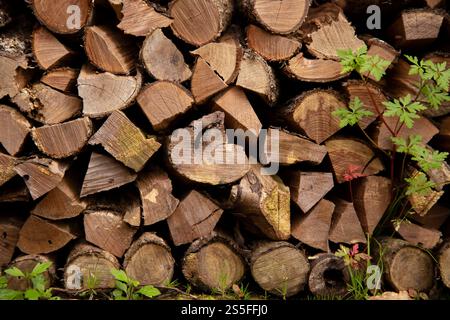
13,75
63,79
205,82
345,227
9,229
7,165
15,129
419,236
48,51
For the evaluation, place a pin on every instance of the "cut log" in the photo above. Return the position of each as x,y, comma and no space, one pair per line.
435,218
149,261
371,196
155,188
9,235
290,148
308,188
311,113
263,202
383,50
314,70
41,175
314,228
194,218
13,74
163,60
63,79
370,95
109,50
239,113
39,236
416,28
63,140
104,93
419,236
213,263
282,17
199,22
63,202
105,173
139,18
107,230
406,266
59,17
125,142
89,266
279,268
256,76
7,165
224,57
26,264
329,276
163,102
345,227
48,51
15,129
200,153
47,105
348,153
269,46
205,82
444,263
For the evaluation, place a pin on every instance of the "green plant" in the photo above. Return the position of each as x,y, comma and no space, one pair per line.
130,289
36,284
92,283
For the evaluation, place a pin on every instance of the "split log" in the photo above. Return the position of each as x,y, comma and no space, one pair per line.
205,82
314,70
63,140
283,17
48,51
56,15
279,268
26,264
256,76
408,30
89,266
163,60
39,236
313,229
9,235
105,173
406,266
213,263
239,113
63,79
15,129
107,230
311,113
345,227
41,175
149,261
422,203
104,93
383,50
155,188
7,164
195,156
444,263
47,105
263,202
347,154
308,188
109,50
125,142
435,218
224,56
139,18
419,236
163,102
269,46
199,22
371,196
329,276
195,217
13,74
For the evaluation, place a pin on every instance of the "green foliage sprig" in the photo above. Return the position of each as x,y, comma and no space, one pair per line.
130,289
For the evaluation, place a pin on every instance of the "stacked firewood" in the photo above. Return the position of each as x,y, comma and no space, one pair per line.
93,92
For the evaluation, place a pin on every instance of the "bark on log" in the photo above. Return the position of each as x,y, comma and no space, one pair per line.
345,227
15,129
329,276
48,51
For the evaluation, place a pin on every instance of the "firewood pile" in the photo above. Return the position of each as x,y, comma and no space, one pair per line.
198,140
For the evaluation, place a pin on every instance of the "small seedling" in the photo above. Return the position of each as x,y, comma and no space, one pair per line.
130,289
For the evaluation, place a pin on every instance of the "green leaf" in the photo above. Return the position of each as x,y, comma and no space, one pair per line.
32,294
375,66
352,116
39,282
352,60
3,282
149,291
120,275
8,294
15,272
405,109
40,268
419,184
121,286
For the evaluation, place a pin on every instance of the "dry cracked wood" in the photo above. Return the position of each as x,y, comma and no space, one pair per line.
205,82
15,129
